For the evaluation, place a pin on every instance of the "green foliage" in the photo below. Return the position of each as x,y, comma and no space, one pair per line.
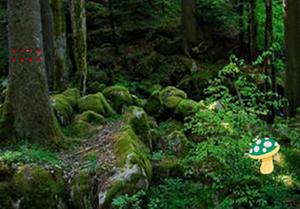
218,12
179,194
129,202
237,87
24,154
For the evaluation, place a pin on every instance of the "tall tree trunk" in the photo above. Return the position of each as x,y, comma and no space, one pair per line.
292,42
189,25
27,113
241,24
47,24
268,62
60,44
252,30
80,45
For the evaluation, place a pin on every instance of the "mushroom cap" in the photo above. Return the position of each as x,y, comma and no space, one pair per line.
263,148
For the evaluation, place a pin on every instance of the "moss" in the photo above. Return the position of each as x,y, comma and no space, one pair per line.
118,96
60,42
170,126
177,143
81,190
128,143
96,103
95,87
187,107
62,109
137,101
37,188
137,118
82,129
5,196
172,101
171,91
79,40
154,105
169,166
91,117
72,95
134,165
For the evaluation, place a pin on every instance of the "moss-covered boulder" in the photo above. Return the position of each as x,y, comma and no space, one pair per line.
64,104
97,103
95,87
176,143
81,191
160,102
164,130
35,187
91,117
62,109
187,107
154,105
138,101
118,96
137,118
81,128
72,95
168,166
171,96
134,169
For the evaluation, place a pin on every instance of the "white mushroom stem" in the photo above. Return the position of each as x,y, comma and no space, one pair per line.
267,166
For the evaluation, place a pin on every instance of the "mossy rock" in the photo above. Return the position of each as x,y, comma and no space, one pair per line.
91,117
172,101
154,105
135,168
82,129
167,167
187,107
62,109
36,188
164,130
6,200
171,91
95,87
81,190
97,103
177,143
137,101
137,118
118,96
72,95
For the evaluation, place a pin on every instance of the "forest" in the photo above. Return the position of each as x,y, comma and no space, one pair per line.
149,104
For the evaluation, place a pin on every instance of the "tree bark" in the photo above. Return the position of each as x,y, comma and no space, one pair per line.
60,44
189,25
252,30
80,45
241,24
292,42
268,62
27,113
47,24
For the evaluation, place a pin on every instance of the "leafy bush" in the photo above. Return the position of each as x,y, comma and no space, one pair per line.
24,154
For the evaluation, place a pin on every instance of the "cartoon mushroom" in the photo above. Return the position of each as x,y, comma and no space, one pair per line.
264,149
